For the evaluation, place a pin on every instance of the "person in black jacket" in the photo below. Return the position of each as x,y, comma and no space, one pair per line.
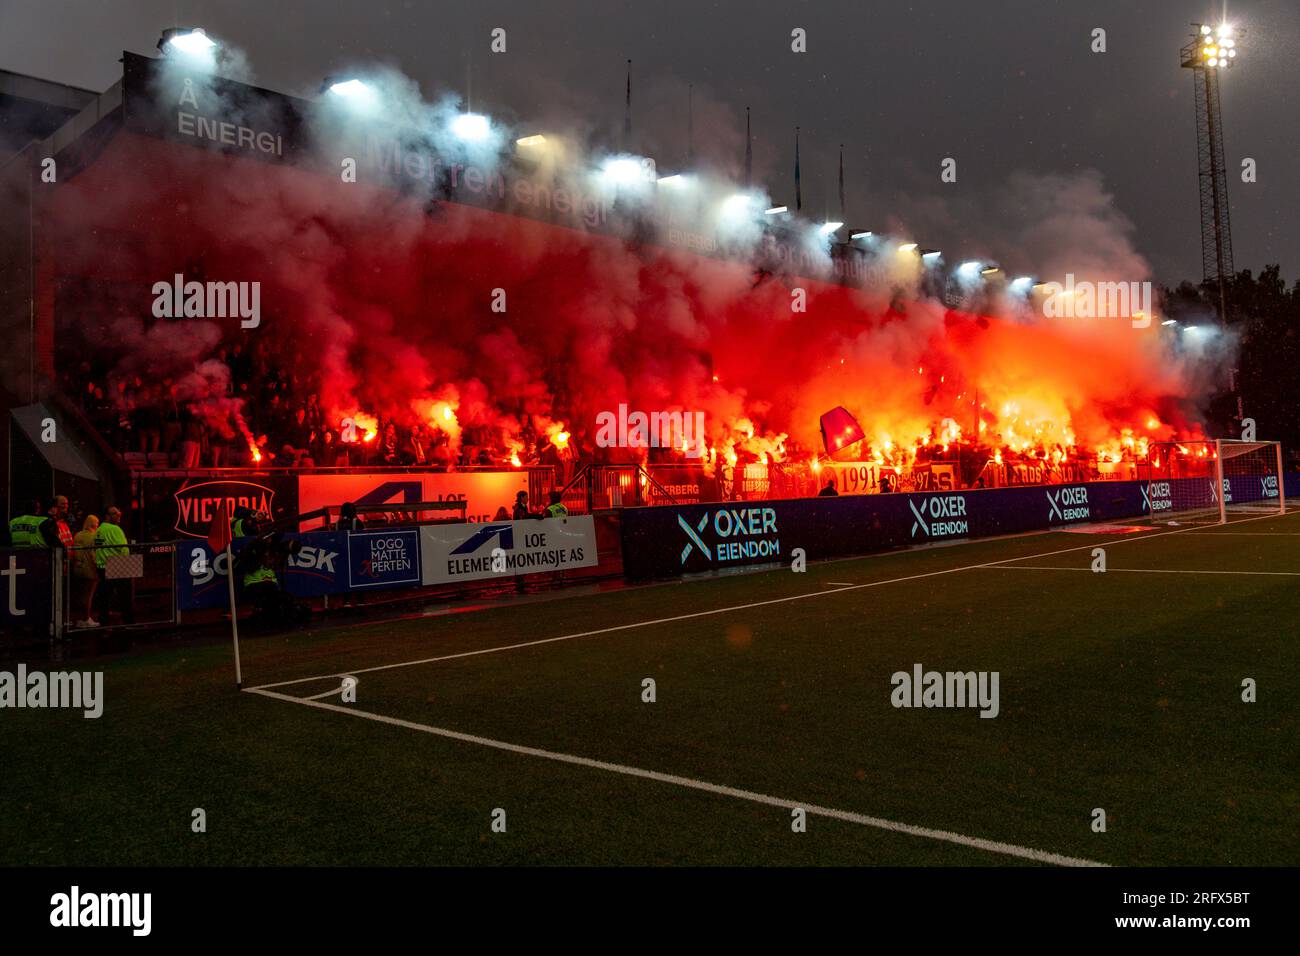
521,512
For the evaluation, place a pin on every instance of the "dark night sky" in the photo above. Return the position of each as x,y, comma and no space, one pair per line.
1005,87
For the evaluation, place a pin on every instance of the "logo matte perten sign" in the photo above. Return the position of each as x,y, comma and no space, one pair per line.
383,558
939,516
1067,504
741,534
197,504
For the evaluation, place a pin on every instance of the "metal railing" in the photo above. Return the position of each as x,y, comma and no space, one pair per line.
132,589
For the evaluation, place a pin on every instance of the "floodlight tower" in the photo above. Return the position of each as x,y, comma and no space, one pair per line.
1210,51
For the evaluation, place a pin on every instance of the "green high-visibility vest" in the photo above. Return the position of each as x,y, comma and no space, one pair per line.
259,576
557,511
25,531
110,540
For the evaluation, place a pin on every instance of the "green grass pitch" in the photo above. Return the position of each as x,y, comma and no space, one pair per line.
1119,690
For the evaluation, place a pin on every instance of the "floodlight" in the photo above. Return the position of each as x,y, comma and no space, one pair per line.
352,89
734,205
777,210
190,41
907,247
537,139
862,235
827,228
471,127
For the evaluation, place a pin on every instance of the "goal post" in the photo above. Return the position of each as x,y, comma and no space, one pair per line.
1211,482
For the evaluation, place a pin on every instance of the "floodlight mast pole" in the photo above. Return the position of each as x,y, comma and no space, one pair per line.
1216,227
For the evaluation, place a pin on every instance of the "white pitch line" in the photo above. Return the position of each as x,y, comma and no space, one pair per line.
946,836
1248,534
1045,567
721,610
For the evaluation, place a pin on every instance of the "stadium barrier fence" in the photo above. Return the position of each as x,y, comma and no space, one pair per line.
170,578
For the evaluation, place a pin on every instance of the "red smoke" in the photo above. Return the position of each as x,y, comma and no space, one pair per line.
387,302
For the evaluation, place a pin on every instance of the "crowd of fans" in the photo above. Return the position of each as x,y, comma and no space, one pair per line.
265,418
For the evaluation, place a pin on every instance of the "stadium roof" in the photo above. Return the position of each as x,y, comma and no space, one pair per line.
32,109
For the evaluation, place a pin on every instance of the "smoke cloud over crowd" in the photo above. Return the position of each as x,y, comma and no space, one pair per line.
507,332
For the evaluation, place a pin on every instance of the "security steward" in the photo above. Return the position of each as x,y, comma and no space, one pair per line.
556,507
244,523
33,529
261,582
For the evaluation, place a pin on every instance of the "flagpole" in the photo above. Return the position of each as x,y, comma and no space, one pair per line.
234,618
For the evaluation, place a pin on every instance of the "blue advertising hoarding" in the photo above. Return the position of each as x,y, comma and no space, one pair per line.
384,559
25,605
668,541
318,568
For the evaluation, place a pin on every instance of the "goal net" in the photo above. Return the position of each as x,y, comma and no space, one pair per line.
1210,482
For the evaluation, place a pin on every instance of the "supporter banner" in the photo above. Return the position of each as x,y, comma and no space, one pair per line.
853,477
669,541
463,552
25,592
173,507
384,559
684,484
482,491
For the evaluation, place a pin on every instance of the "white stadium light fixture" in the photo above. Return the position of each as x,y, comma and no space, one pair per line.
827,228
907,247
931,254
537,139
352,89
862,235
736,204
676,180
777,210
191,42
1169,322
471,127
623,170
